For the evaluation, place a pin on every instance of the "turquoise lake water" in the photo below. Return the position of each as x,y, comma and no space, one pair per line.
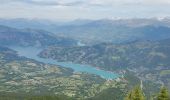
32,52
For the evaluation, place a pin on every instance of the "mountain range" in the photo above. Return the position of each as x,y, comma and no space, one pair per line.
97,31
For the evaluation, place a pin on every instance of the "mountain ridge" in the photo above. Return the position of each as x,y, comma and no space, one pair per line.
30,37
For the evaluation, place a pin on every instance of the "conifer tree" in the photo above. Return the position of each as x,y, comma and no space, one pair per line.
138,94
163,94
135,94
129,96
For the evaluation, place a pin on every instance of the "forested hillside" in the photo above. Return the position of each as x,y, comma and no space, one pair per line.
149,60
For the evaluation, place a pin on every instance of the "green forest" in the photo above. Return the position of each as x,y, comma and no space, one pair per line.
135,94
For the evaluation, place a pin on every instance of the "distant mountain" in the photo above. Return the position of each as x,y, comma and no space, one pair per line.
21,23
115,31
30,37
98,31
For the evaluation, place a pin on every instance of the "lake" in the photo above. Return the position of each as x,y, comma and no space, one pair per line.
32,52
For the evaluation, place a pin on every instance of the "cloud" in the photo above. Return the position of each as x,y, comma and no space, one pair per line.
54,3
85,9
128,2
45,2
90,2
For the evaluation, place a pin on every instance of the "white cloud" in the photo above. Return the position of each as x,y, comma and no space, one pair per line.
92,9
91,2
129,2
100,2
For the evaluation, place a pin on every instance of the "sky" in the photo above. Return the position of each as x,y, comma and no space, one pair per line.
63,10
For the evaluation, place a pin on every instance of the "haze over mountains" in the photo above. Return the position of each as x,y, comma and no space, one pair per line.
98,31
30,37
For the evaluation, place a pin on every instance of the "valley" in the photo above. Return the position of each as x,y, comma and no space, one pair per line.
32,53
86,60
22,75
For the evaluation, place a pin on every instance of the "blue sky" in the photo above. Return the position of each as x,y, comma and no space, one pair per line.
64,10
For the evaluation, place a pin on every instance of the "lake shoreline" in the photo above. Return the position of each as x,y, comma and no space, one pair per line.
32,53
